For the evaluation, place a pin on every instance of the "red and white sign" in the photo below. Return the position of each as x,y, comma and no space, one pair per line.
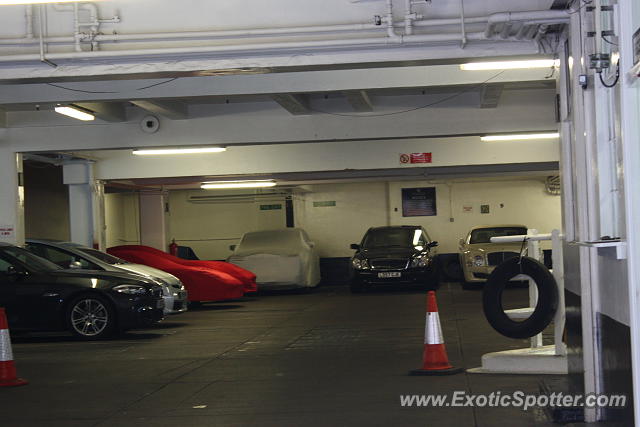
420,157
415,158
7,232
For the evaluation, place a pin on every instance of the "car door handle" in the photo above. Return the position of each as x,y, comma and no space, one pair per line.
50,294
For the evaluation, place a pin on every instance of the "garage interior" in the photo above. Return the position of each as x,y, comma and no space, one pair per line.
341,105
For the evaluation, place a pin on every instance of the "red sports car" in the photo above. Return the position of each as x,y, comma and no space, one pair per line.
203,284
245,276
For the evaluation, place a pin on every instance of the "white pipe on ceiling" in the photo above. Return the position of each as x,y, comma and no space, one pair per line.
548,17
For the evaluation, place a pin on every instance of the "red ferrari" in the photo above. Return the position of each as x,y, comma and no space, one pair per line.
203,284
245,276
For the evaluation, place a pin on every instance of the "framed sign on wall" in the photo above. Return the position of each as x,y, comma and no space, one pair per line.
419,201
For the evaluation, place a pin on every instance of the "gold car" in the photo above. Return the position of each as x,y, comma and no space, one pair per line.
478,256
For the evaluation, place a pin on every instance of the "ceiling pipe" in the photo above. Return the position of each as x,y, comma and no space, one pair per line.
264,32
28,17
508,17
391,31
392,38
379,41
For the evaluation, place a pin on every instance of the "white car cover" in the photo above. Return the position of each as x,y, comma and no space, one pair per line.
283,258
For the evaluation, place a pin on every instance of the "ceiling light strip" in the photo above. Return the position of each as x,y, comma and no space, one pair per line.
216,185
165,151
75,112
520,137
510,65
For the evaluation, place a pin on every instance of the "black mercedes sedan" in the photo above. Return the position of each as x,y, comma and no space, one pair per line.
39,295
396,255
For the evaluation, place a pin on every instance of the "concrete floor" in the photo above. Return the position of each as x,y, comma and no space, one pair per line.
312,359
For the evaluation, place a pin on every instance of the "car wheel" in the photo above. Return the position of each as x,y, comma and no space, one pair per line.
91,317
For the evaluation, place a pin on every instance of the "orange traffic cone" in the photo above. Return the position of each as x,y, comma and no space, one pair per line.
8,375
434,358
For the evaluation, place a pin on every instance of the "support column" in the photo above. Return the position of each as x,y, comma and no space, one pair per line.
11,197
86,204
153,223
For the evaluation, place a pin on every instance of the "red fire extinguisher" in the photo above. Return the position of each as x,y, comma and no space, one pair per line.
173,248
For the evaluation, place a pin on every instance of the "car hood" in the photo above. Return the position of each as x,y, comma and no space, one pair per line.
145,270
388,252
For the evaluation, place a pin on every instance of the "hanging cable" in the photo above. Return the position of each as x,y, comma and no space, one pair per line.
615,81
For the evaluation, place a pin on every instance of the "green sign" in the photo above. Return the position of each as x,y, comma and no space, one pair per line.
270,207
325,204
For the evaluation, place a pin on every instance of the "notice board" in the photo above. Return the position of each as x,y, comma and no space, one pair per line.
419,201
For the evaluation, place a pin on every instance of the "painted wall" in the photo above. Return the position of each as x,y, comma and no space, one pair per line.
209,228
46,203
122,219
360,206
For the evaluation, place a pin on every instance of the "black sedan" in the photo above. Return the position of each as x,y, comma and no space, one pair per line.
39,295
397,255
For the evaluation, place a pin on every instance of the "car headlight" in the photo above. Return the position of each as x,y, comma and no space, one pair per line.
420,261
130,289
478,260
360,264
166,290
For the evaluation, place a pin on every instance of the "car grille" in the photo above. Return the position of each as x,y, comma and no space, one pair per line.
497,258
388,264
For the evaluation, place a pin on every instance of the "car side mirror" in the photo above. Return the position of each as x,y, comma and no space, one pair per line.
433,244
232,247
355,246
75,265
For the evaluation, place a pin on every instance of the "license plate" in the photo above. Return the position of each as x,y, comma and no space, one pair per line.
160,303
387,274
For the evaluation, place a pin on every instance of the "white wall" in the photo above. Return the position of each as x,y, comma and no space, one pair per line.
360,206
122,219
209,228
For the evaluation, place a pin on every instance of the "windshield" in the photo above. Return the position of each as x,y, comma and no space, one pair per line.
30,260
398,237
109,259
484,235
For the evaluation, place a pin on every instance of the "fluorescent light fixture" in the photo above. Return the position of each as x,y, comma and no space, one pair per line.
75,112
13,2
163,151
260,183
520,137
510,65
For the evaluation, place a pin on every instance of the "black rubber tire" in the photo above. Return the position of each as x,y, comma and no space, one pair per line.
547,298
450,269
106,328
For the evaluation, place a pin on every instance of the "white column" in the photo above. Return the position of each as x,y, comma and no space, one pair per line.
630,111
153,224
11,197
86,204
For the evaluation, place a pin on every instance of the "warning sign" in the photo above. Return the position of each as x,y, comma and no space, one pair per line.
7,232
415,158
